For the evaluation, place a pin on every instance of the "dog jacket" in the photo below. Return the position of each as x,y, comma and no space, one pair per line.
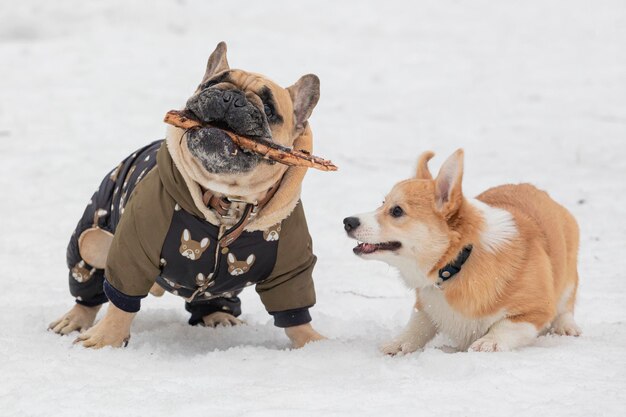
159,235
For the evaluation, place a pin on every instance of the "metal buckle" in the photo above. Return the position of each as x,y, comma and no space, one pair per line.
238,200
238,210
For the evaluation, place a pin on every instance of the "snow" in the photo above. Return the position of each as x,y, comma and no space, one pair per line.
534,91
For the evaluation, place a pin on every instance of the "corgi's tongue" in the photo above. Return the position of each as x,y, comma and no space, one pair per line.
368,247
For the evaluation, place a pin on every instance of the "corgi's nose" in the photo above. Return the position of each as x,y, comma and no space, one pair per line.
351,223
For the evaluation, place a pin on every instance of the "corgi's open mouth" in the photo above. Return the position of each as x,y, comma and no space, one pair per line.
367,248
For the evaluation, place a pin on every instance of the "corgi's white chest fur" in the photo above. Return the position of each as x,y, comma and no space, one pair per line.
459,328
462,330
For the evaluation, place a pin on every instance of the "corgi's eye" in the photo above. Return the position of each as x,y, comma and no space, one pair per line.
184,246
197,251
396,211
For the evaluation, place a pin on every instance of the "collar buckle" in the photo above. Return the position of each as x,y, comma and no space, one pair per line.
239,200
454,267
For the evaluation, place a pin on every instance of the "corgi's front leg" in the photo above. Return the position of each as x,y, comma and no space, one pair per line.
112,330
506,335
419,330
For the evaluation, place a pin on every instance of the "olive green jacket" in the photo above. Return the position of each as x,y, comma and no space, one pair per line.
162,235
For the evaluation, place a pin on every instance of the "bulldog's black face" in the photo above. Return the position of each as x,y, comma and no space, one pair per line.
219,103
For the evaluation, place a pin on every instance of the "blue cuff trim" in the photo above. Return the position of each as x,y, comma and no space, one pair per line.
290,318
96,301
128,303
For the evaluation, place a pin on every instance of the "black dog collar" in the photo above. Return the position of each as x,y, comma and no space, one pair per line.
454,267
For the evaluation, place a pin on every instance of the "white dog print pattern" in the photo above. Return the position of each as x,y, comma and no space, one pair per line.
190,248
236,267
272,233
81,273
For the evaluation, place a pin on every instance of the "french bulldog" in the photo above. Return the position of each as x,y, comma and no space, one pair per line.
197,189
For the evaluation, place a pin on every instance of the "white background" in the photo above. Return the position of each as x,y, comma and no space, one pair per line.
534,91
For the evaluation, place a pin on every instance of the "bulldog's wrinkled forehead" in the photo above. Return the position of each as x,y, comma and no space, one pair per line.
259,89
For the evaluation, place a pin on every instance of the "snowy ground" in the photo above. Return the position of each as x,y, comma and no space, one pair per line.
534,91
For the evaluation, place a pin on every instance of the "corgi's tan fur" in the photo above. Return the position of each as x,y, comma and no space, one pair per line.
519,281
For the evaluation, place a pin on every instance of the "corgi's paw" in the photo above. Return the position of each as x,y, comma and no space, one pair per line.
79,318
567,330
219,318
401,346
564,325
488,344
505,335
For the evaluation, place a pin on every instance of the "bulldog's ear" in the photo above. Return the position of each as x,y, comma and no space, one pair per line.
304,94
448,192
217,62
423,173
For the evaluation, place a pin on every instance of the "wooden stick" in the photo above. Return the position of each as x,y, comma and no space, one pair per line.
264,147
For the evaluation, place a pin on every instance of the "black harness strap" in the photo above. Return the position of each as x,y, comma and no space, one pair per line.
454,267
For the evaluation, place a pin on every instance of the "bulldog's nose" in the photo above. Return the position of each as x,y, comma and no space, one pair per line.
351,223
237,97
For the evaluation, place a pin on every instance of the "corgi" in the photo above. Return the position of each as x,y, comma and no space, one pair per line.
492,273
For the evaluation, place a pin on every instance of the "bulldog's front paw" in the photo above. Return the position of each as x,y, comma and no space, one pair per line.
79,318
303,334
219,318
113,330
401,346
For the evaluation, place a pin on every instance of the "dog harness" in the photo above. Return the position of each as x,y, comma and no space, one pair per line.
223,205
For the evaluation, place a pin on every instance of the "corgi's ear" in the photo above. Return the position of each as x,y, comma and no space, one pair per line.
250,259
448,193
204,242
186,236
422,172
231,258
